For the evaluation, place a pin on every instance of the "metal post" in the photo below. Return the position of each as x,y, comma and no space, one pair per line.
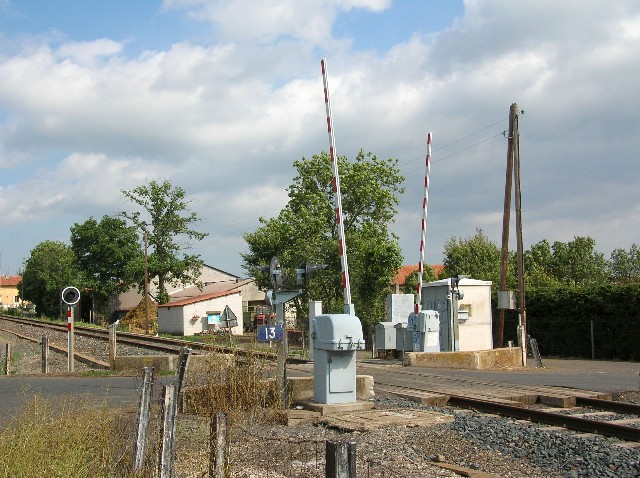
423,237
315,308
348,305
45,353
146,284
70,338
593,346
281,378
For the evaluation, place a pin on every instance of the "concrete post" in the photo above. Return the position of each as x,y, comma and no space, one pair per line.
315,309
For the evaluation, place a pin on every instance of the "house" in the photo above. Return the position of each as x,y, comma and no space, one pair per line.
401,276
9,294
128,300
200,314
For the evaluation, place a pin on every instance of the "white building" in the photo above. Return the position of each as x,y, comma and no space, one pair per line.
200,313
474,324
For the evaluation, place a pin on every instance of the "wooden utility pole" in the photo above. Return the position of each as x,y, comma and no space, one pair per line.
513,176
522,313
506,219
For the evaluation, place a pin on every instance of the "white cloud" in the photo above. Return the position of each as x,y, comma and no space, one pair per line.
226,120
87,53
268,20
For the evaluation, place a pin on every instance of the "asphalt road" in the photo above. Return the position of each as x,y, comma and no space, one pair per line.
601,376
123,391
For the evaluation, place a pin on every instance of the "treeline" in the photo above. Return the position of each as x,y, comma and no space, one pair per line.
570,288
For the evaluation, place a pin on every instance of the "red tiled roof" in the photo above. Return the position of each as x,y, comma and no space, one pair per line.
10,281
200,298
405,271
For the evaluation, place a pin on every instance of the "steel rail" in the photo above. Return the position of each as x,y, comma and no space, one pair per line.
163,344
609,405
567,421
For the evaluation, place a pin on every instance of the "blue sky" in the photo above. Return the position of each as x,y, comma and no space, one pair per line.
221,97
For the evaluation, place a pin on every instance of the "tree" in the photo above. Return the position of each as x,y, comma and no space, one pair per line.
306,230
166,219
109,255
50,268
411,282
475,256
539,266
624,266
578,263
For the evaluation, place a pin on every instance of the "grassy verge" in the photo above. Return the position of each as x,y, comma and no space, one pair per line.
65,438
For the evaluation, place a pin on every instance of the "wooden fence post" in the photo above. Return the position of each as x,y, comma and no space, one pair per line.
112,346
219,447
181,368
165,463
7,359
44,342
143,417
340,459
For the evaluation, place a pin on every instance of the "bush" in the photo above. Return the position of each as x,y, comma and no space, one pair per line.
560,320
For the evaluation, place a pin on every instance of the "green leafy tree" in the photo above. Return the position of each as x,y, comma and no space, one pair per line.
411,282
624,267
578,263
50,268
476,256
165,218
109,255
306,230
539,266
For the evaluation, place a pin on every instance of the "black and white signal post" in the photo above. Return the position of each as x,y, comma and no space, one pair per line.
70,296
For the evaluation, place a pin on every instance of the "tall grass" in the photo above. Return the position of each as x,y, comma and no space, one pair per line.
65,438
236,385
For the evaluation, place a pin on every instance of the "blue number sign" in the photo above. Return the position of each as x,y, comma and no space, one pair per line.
270,333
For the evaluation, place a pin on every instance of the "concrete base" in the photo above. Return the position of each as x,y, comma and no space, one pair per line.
160,363
367,420
301,388
334,408
474,360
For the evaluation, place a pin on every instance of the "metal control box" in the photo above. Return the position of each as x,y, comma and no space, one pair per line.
336,338
385,336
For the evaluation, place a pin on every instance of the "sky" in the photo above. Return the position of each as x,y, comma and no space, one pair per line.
221,97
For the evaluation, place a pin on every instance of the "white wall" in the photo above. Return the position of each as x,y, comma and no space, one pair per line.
180,319
474,334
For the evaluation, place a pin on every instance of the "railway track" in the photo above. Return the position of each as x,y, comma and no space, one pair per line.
160,344
577,410
582,411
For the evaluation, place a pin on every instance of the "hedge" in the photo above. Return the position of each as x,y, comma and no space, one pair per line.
560,320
